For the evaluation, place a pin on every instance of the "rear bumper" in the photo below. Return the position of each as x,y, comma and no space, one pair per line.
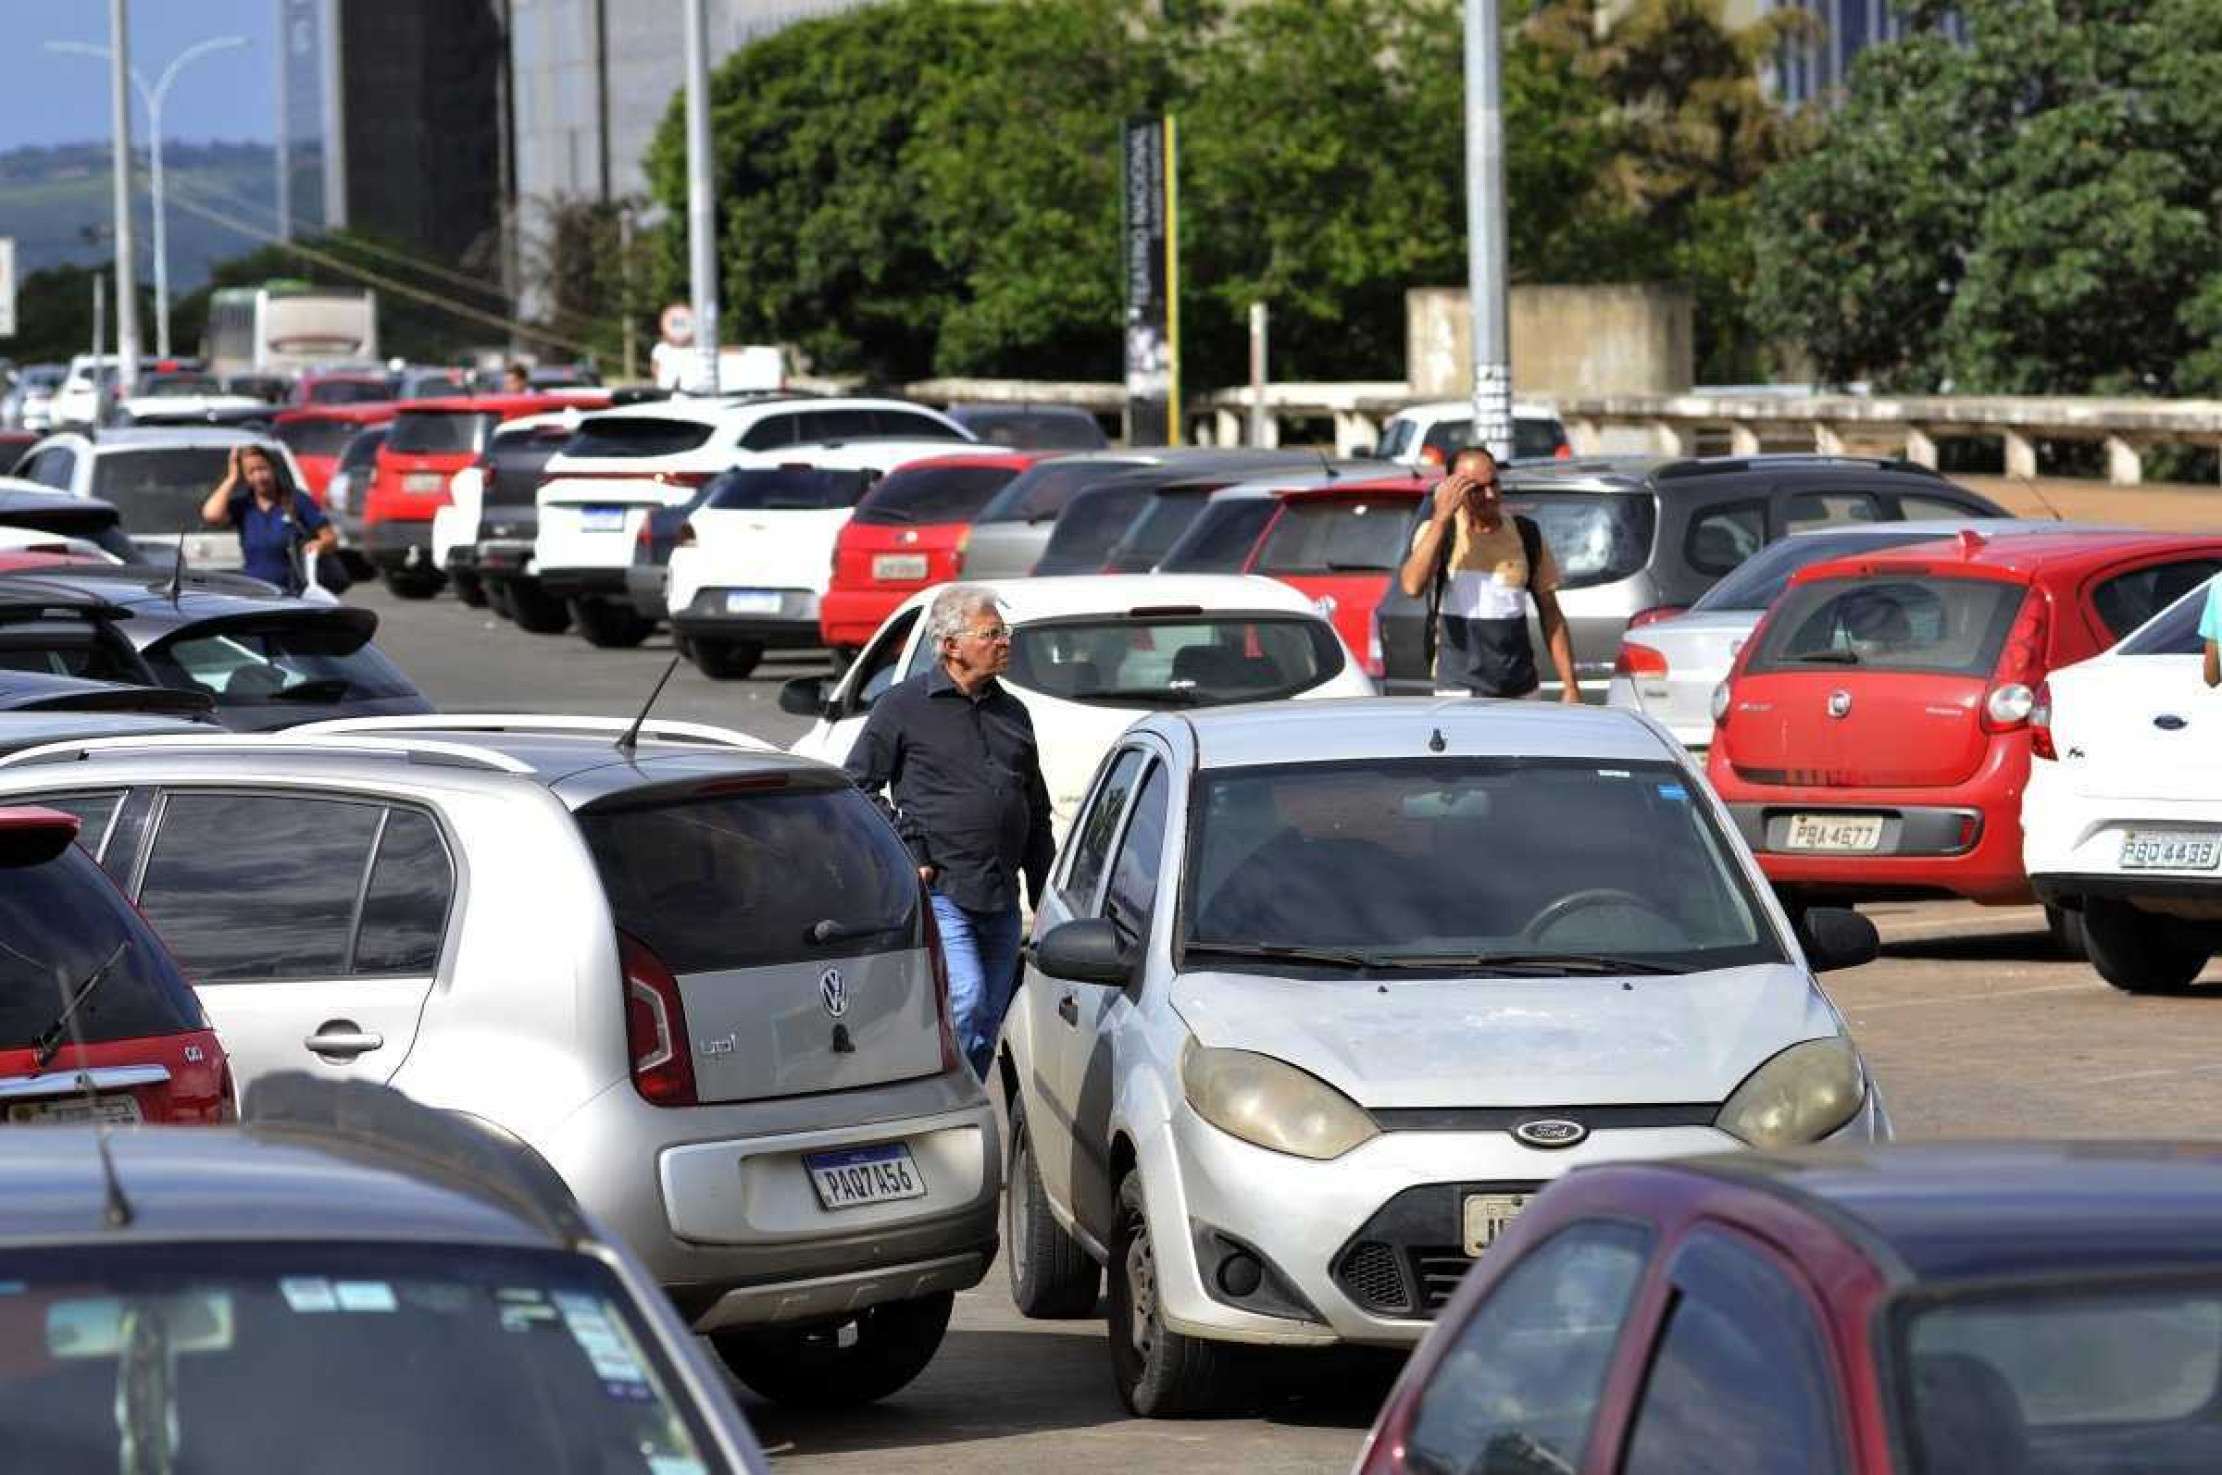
1924,851
399,545
583,583
793,627
503,558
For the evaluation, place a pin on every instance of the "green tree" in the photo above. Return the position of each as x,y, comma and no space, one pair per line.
54,314
408,327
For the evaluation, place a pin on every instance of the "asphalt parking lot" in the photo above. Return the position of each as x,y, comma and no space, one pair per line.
1972,1024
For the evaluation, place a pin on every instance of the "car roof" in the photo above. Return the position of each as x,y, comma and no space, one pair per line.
144,593
719,409
508,406
20,730
1406,485
1000,458
377,412
1025,601
1356,728
150,437
2025,555
1695,475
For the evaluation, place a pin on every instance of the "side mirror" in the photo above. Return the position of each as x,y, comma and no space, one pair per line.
1838,937
1086,951
804,696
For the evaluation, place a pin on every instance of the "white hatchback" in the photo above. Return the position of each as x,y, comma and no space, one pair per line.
2122,820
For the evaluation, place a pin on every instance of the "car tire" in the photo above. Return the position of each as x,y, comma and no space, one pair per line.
497,599
470,588
840,1364
2066,928
2138,952
724,660
1052,1277
1160,1373
536,610
405,583
610,626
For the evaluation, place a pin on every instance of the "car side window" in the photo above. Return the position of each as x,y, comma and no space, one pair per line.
1740,1377
405,907
1518,1388
770,433
876,668
1091,844
820,425
2128,600
1722,537
1912,506
1823,509
1132,894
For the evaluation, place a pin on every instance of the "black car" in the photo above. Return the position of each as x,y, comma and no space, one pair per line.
1637,536
1032,427
43,691
492,570
25,504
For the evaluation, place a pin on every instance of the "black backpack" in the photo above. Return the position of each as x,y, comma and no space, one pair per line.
1531,548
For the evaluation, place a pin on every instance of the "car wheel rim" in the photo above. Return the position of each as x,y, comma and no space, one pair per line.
1141,1283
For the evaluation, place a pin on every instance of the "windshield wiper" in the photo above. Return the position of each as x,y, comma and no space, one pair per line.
1289,952
829,930
1828,658
1542,963
49,1040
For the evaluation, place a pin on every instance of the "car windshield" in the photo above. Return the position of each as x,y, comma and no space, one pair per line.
1595,537
1184,660
1337,535
160,490
2174,631
786,488
440,432
315,436
1088,528
1759,580
918,494
1219,541
1443,862
348,1359
1040,492
1942,626
2069,1378
59,921
307,664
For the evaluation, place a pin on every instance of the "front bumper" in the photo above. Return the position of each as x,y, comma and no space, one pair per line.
793,626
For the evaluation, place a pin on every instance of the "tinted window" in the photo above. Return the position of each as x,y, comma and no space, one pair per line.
2128,600
518,460
1132,894
770,433
349,392
94,813
786,488
1035,430
363,449
1721,538
1759,581
405,909
307,665
1597,538
54,468
1092,837
69,648
1220,539
1817,509
1914,505
910,425
1173,661
1878,622
65,917
1147,538
820,425
1518,1387
1396,437
619,436
2174,634
1040,492
1320,535
249,887
440,432
315,437
160,491
1088,527
719,883
178,386
933,494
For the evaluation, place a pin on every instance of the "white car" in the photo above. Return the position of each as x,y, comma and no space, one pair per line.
752,562
1089,655
1428,434
157,477
2122,820
598,492
90,381
30,403
506,476
1322,993
181,395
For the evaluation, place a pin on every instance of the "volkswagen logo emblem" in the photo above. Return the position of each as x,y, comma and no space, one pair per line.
1840,703
834,992
1550,1132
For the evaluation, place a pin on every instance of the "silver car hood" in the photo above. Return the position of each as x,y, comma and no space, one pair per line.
1650,1040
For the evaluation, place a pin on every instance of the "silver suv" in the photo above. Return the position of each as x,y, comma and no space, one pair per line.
694,974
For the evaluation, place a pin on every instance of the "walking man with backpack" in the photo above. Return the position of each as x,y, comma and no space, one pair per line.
1477,568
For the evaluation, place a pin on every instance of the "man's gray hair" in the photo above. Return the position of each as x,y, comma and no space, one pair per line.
954,607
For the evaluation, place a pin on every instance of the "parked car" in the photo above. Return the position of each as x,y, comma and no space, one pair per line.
271,389
157,478
390,1287
29,506
1430,434
2122,819
29,403
1032,427
426,382
648,576
482,540
1178,506
908,533
178,393
1636,535
342,387
1127,525
1341,542
319,435
708,994
345,492
88,393
1342,1009
1968,1308
1088,654
1874,738
96,1022
1226,532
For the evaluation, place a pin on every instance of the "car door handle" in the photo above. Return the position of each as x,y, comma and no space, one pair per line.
1068,1009
343,1039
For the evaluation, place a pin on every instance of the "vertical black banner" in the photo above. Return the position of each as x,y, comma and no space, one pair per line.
1146,224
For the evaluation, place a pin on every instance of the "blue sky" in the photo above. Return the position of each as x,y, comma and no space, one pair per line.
49,99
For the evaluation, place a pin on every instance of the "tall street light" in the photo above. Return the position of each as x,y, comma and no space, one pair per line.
151,98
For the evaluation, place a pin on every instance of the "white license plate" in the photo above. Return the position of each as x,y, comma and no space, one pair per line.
752,601
1834,832
2168,850
423,481
602,519
117,1110
864,1175
906,568
1487,1215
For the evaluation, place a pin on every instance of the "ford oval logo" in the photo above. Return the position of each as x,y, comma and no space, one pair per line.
1840,703
834,992
1550,1132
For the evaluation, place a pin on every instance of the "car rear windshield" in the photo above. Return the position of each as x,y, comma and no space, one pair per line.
2174,632
363,449
1219,541
1186,660
1759,580
350,392
437,1359
934,494
313,663
1595,537
59,921
786,489
440,432
1149,537
626,436
1389,861
315,437
1086,531
160,490
1036,431
711,882
1040,492
1337,535
1890,622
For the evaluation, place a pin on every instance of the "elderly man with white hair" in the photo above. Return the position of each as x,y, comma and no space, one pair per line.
954,753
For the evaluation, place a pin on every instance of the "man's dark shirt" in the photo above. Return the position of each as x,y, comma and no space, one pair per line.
967,786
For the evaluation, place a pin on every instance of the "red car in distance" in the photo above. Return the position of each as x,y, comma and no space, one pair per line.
96,1021
317,434
1341,544
907,533
342,387
1873,738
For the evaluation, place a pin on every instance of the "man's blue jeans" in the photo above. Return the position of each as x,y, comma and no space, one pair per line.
982,951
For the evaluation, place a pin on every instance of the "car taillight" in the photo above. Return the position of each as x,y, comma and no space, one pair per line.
1653,615
1638,660
1565,452
2012,696
683,478
1376,660
2040,722
646,536
686,536
1723,694
951,1056
655,1027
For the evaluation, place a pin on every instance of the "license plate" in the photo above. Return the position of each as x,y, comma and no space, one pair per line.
602,519
752,601
894,568
2168,850
1487,1215
423,481
864,1175
116,1110
1834,832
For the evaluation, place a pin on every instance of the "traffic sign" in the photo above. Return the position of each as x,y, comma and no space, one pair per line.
677,324
7,286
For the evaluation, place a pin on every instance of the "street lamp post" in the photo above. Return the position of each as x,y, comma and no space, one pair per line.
151,98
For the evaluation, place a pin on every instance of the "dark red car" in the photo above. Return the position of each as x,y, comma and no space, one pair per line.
96,1021
1873,738
317,434
2008,1309
1341,544
907,533
342,387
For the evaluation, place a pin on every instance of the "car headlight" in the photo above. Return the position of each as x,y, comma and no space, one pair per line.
1271,1103
1800,1095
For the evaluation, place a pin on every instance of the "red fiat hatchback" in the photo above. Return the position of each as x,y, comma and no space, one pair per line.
96,1021
1341,543
1873,738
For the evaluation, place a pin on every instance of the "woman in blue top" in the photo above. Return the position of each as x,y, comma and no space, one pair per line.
271,518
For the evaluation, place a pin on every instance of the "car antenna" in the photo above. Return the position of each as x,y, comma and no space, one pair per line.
2043,500
116,1210
177,568
1325,468
631,739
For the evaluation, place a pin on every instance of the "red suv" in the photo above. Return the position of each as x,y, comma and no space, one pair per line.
1873,739
1341,544
907,533
96,1021
317,434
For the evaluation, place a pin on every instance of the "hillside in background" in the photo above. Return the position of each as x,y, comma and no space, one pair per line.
50,198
